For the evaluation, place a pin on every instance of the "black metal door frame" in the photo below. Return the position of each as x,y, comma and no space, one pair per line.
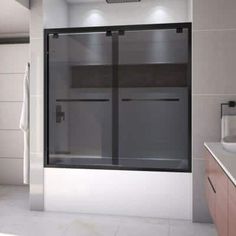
114,32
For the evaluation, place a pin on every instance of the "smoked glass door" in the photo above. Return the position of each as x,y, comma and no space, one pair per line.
154,87
119,98
80,98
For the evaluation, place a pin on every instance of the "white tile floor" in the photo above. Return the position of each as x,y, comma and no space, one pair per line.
17,220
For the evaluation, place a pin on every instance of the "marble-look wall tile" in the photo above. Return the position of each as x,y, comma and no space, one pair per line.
214,56
10,113
214,14
11,87
13,61
37,67
214,34
206,120
11,143
11,171
14,58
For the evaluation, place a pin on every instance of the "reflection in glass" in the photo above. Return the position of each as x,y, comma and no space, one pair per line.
80,73
153,93
119,100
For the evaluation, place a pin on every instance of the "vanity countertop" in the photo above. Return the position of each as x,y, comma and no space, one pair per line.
227,160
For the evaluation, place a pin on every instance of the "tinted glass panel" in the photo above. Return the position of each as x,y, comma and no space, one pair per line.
119,99
153,95
80,73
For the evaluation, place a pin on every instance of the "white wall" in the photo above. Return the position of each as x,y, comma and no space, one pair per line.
14,19
14,58
59,13
112,192
144,12
55,13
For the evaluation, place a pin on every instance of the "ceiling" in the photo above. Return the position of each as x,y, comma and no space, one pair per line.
14,19
84,1
92,1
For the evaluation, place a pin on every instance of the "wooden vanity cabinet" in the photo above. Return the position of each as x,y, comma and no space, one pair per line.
232,210
221,197
210,190
221,201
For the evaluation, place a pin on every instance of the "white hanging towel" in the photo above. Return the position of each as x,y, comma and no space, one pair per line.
24,123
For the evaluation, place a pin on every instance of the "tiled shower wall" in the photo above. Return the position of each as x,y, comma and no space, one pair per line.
214,82
14,58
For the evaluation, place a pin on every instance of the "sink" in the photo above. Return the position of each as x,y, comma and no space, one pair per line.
229,143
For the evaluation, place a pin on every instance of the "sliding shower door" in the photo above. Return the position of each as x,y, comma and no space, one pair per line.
154,99
119,97
80,98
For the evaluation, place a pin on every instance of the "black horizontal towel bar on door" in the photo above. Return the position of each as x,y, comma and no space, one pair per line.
150,99
83,100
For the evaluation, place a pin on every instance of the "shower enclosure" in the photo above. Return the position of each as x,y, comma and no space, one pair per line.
118,97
